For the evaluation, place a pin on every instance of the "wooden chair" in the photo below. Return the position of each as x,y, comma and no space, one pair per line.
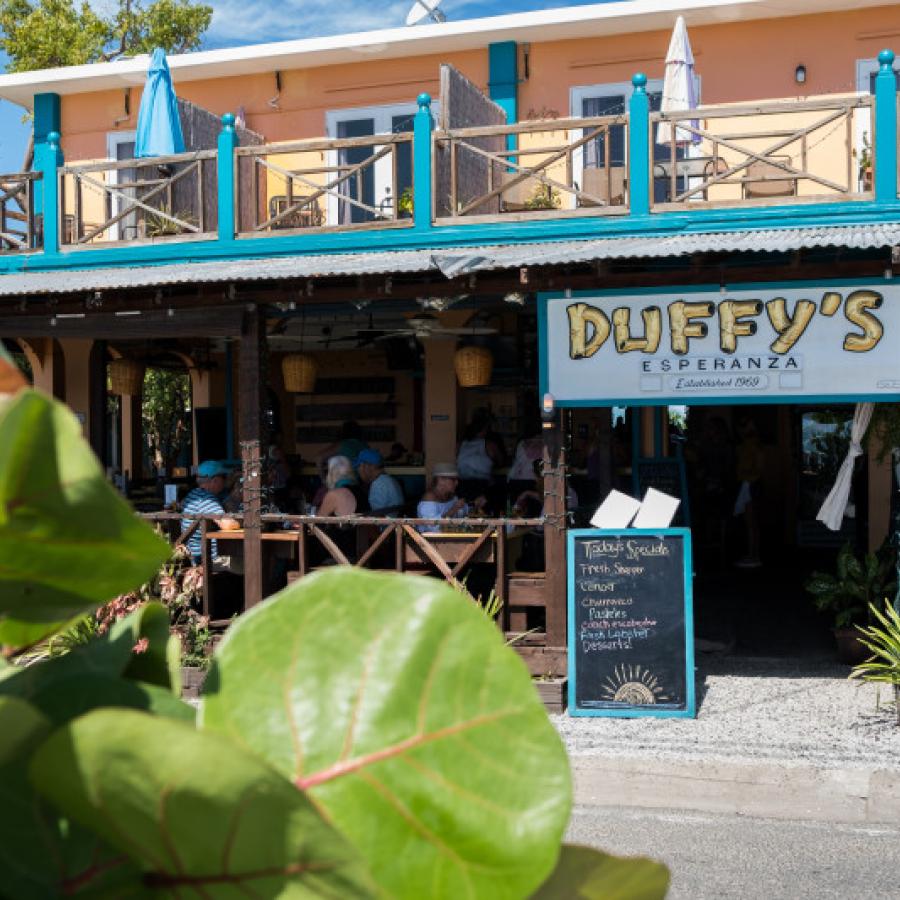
761,181
606,184
308,216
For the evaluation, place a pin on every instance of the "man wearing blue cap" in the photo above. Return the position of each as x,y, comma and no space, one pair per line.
203,500
385,494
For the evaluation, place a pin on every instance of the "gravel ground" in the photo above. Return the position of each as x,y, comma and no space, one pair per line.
759,710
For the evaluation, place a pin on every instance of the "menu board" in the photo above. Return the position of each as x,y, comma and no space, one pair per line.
631,641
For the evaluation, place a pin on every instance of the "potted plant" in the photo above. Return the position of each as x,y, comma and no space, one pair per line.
405,204
882,639
543,197
864,163
849,593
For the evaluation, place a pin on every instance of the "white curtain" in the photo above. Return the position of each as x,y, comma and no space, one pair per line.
832,512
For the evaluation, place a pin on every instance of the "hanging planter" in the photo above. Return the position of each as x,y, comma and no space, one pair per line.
299,371
126,376
473,366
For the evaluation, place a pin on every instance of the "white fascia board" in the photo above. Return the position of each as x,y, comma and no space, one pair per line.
628,16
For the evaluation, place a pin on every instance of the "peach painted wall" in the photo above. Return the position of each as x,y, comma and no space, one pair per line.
737,62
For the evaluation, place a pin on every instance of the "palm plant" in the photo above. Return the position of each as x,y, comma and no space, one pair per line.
883,640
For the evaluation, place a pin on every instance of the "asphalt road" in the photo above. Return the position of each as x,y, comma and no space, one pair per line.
719,857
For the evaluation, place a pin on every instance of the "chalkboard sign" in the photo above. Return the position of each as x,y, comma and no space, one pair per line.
631,629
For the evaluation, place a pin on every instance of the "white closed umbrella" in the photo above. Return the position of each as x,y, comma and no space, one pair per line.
679,86
831,515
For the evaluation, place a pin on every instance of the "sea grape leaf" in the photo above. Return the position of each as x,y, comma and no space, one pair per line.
11,378
197,813
104,658
152,662
42,856
395,702
583,873
68,541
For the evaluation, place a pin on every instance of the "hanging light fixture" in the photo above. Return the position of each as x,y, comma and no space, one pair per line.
473,366
299,370
126,377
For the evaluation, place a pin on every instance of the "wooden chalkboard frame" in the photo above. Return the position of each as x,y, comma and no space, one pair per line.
632,712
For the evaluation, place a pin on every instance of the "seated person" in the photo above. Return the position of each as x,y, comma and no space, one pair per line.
384,491
350,443
203,500
440,500
530,504
340,497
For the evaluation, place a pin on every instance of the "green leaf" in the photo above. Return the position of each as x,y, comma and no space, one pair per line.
88,677
68,541
586,874
42,856
200,815
394,701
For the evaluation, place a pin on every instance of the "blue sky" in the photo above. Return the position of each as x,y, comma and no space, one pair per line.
238,22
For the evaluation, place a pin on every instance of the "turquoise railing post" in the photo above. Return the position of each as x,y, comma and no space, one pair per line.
639,147
228,142
422,174
885,141
48,158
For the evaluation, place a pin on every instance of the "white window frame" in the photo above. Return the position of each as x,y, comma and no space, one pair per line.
579,93
113,140
382,115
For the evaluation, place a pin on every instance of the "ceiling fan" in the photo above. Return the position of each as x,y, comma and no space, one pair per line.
424,325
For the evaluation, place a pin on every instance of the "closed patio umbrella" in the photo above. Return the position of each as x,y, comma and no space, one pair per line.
679,86
158,124
831,515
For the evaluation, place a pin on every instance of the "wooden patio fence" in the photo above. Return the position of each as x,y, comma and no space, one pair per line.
135,200
769,159
313,188
18,231
557,162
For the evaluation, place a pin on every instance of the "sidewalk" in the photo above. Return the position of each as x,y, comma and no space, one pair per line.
773,738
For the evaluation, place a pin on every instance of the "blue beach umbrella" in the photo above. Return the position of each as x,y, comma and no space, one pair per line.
158,124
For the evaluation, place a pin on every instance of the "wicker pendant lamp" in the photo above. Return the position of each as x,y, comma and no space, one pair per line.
299,371
473,366
126,376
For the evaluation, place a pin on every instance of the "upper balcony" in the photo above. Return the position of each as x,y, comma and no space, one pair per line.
831,160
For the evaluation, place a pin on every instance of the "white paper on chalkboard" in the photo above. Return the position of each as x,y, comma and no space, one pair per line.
657,511
616,511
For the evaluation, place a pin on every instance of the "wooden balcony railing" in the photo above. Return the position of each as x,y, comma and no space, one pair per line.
606,175
324,184
18,231
559,167
765,154
163,198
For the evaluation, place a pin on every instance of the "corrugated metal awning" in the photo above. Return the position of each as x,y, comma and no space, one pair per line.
450,261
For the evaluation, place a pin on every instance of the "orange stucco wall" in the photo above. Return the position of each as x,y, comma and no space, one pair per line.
742,61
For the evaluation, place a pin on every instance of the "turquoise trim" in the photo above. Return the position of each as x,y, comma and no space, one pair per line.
543,300
690,705
639,147
886,129
423,236
503,82
422,167
228,141
47,159
47,117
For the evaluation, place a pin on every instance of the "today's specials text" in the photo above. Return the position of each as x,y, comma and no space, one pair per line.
629,634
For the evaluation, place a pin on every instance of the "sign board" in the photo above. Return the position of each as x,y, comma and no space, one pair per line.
749,344
631,627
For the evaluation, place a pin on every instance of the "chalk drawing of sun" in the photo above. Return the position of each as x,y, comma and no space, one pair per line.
634,686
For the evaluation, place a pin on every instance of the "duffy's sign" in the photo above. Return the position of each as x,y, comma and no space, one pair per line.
757,345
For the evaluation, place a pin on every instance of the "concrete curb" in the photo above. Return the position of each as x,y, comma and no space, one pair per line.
763,790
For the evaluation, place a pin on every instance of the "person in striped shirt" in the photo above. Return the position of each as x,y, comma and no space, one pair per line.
203,500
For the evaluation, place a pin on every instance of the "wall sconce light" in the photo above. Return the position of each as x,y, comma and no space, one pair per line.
548,409
515,298
800,74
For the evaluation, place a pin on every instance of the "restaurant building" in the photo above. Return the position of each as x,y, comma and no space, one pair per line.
377,213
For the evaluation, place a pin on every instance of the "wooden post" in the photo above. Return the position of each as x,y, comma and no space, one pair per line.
250,401
555,532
